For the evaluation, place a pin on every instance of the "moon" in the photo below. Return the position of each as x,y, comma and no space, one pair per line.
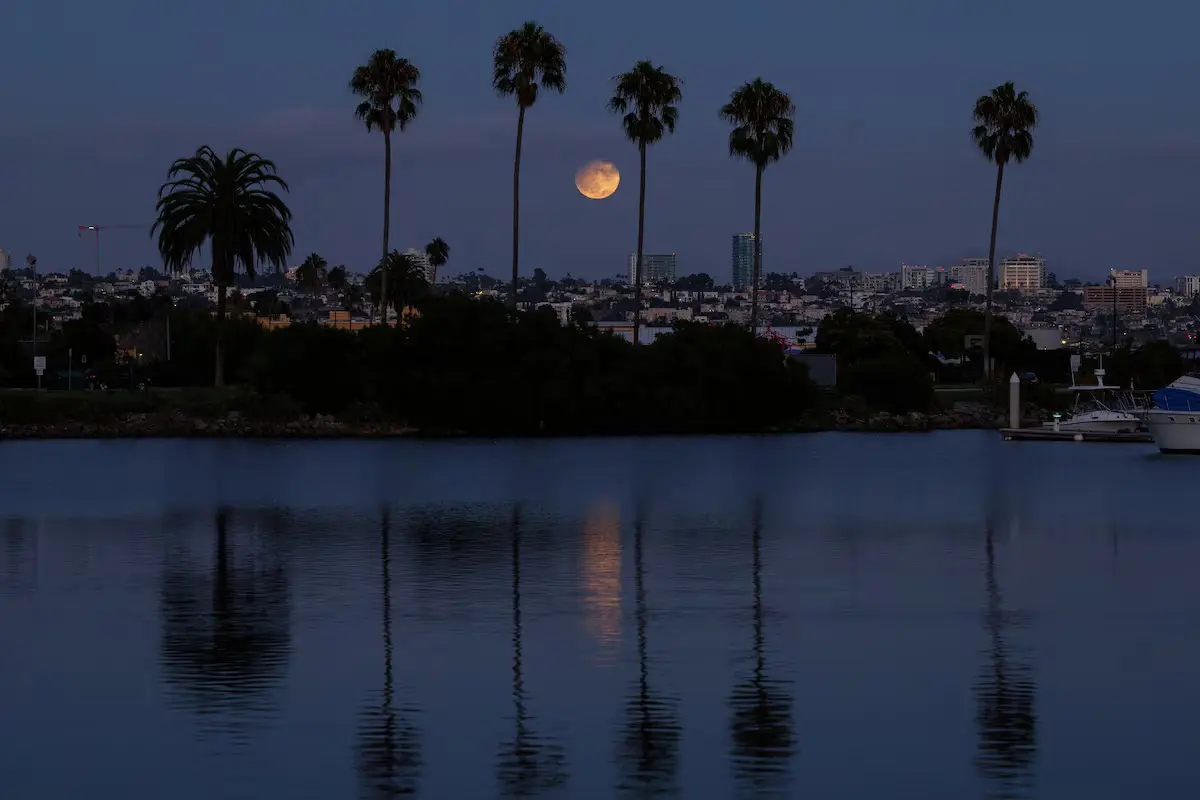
597,179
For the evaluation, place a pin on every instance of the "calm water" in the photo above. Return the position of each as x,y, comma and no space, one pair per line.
833,616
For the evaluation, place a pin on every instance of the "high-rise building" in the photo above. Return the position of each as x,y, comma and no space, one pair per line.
743,261
656,267
917,279
1132,278
421,259
1188,285
1100,298
1023,273
971,275
5,261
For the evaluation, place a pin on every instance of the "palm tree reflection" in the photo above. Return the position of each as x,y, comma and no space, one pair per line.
761,729
226,637
1005,692
528,765
648,745
389,751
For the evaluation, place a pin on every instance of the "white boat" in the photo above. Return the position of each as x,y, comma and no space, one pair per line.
1097,409
1174,420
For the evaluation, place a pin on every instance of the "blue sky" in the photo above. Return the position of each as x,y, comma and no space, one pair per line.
98,99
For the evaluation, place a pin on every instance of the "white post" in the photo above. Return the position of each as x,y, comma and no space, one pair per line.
1014,401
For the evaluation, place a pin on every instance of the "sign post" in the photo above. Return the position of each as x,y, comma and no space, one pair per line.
39,366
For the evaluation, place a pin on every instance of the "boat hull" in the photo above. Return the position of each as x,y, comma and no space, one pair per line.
1175,432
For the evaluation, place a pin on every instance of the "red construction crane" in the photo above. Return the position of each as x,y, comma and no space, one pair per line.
96,229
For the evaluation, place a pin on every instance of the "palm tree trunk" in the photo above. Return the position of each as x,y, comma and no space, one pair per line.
637,267
517,207
387,220
991,278
219,372
757,252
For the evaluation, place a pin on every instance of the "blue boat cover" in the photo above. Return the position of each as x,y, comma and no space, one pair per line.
1172,399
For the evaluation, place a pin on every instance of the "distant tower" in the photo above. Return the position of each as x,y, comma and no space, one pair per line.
743,261
5,261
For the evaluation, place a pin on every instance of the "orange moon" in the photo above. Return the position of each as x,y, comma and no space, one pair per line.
597,180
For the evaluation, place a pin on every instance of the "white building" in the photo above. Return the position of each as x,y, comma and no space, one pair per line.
5,261
918,279
421,259
1188,285
971,274
1132,278
1023,273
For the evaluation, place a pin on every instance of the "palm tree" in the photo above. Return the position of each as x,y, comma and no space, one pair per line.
525,61
336,278
763,742
439,253
1006,119
231,204
762,134
647,96
388,86
389,747
403,277
312,273
648,747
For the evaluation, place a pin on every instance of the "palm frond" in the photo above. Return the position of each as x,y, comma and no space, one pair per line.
526,61
231,204
647,97
764,130
387,85
1005,120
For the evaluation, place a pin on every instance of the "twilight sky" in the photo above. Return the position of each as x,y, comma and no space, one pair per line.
98,98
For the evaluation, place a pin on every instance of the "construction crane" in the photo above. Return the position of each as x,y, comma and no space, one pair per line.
96,229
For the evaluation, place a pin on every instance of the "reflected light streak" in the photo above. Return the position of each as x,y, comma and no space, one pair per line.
601,579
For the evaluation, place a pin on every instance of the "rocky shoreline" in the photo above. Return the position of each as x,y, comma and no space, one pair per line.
235,425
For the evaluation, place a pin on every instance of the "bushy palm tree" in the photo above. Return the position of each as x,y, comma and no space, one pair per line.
403,278
336,278
526,61
312,273
391,99
763,132
232,205
1005,119
439,253
646,97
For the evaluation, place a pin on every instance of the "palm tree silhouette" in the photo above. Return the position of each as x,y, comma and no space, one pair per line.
391,100
761,729
233,205
527,764
389,747
226,637
647,97
1004,131
648,742
763,133
526,61
1005,692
